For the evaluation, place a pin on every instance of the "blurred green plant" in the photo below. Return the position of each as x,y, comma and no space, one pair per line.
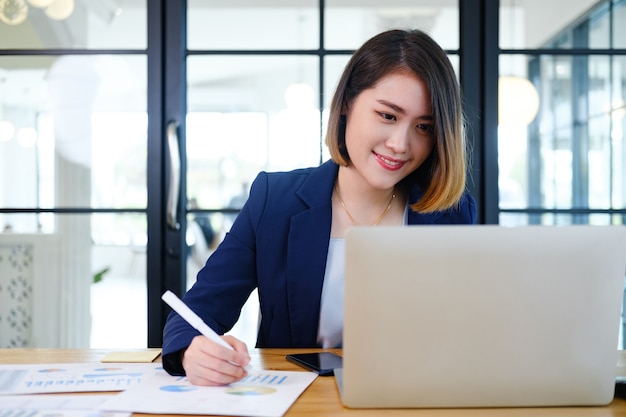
98,276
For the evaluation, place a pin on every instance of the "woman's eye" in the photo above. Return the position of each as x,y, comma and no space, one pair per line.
387,116
425,128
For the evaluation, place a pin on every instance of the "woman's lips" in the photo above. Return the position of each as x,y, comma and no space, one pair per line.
389,163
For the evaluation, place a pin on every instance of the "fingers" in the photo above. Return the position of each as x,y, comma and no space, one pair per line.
207,363
242,357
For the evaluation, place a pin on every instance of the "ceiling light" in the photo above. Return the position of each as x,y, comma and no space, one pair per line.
518,101
40,3
27,137
13,12
60,9
6,130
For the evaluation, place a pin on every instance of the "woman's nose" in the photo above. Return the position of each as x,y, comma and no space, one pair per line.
398,141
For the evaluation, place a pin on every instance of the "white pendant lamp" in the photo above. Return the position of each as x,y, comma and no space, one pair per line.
60,9
40,3
518,101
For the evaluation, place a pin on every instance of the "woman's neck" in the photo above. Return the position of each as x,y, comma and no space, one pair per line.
357,203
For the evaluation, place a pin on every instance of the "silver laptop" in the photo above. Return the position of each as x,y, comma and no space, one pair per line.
482,316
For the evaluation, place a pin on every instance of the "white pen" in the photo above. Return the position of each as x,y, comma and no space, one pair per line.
192,318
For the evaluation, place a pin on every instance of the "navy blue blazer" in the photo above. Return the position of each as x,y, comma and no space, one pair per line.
278,244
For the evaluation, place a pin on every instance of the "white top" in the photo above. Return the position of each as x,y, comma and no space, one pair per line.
330,331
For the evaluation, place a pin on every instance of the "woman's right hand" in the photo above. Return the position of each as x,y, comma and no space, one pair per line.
208,363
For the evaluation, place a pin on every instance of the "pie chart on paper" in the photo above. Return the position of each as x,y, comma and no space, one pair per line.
250,390
177,388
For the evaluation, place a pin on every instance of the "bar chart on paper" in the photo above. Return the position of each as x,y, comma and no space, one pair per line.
265,378
55,378
261,384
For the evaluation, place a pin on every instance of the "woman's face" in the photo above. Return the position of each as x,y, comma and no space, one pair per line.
389,130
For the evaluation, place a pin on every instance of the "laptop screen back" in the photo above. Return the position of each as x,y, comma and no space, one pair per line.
482,316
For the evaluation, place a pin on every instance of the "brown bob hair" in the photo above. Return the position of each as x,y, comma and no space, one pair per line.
442,175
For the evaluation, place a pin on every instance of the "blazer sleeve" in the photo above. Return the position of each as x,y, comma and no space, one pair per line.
464,213
223,285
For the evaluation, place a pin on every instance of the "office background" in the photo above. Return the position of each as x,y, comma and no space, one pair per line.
114,114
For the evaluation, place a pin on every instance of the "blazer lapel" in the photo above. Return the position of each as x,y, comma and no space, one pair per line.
308,249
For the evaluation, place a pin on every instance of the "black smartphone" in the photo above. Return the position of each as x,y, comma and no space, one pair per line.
321,362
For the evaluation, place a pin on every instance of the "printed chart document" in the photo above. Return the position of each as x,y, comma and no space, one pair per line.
269,394
75,377
59,413
55,405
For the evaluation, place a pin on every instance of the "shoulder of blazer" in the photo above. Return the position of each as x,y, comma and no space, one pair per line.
465,212
312,186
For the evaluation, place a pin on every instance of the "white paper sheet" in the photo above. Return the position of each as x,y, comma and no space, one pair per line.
269,394
75,377
57,405
59,413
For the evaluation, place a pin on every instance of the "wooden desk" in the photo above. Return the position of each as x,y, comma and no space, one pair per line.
322,397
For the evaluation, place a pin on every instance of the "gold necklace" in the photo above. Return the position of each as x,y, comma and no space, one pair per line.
393,195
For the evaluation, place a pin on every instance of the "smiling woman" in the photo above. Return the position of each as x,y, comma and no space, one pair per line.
393,144
384,130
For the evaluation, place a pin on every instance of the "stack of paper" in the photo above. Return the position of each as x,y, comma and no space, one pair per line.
143,388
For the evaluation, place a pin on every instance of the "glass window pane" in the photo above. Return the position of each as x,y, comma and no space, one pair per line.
349,24
333,68
571,155
517,108
248,114
80,285
204,232
118,252
69,24
617,138
513,219
561,219
260,24
619,24
599,27
533,24
597,127
599,162
73,131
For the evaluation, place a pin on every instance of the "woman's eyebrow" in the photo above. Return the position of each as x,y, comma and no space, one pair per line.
393,106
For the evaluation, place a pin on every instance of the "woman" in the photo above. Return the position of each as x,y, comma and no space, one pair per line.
397,145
